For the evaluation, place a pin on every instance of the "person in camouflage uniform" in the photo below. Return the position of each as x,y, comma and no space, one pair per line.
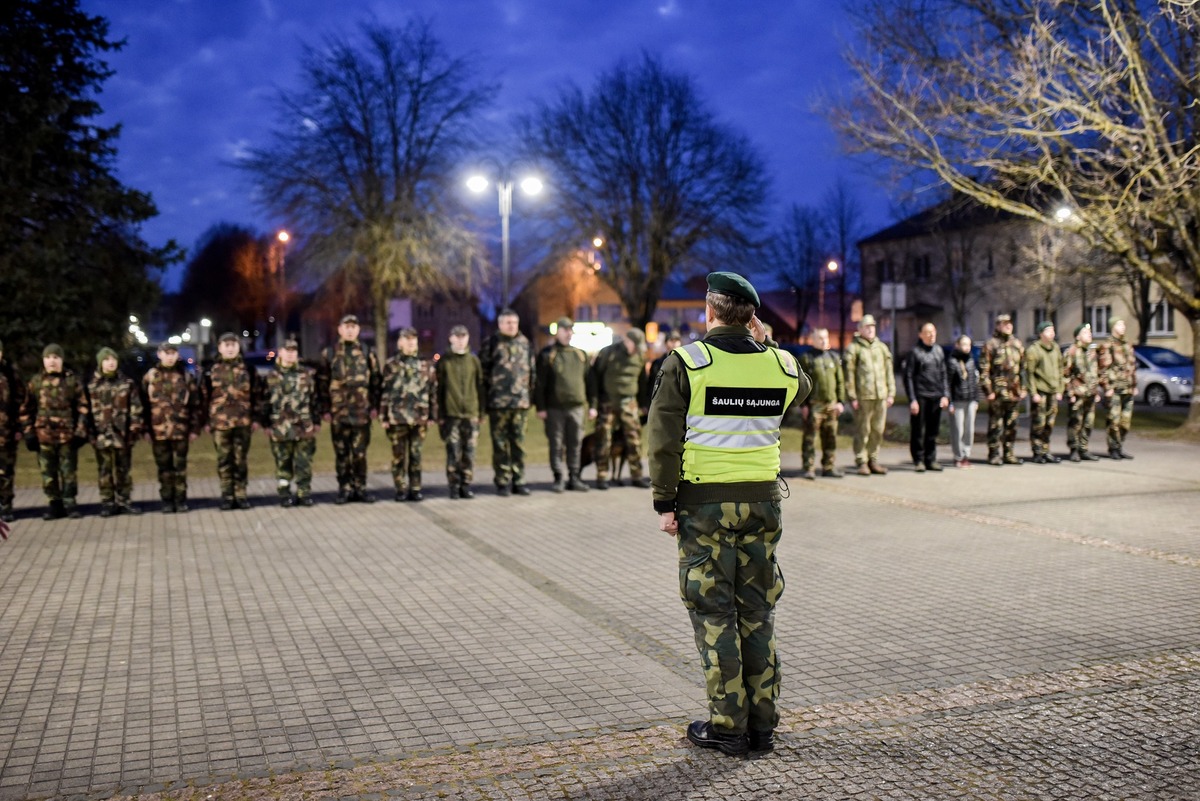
54,424
619,375
1044,383
173,406
291,418
1000,383
508,370
1082,372
116,421
1118,369
409,402
349,382
562,391
229,396
459,400
871,389
12,395
822,407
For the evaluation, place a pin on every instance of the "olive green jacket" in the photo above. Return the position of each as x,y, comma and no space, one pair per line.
1044,369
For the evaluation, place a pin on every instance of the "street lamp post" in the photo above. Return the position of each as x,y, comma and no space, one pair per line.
831,267
530,185
281,240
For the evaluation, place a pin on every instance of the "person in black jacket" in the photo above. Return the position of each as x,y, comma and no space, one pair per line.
964,399
928,393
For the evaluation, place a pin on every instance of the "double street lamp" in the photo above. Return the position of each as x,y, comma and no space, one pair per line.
503,176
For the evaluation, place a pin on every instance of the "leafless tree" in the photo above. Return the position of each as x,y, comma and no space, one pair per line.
844,219
796,253
640,161
361,156
1032,105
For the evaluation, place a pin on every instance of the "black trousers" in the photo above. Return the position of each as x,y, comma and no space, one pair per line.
925,423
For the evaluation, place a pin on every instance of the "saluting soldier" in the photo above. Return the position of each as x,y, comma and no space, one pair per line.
229,397
116,421
459,404
12,395
173,402
822,407
1119,375
1000,382
54,423
409,402
619,375
1082,373
291,416
1045,385
562,391
508,369
349,383
713,434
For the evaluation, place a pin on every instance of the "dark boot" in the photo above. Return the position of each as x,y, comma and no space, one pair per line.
453,491
465,492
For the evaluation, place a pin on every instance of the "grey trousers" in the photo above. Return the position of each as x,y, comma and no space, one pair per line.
962,428
564,431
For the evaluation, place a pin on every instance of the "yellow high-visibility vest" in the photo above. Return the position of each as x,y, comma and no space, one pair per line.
735,413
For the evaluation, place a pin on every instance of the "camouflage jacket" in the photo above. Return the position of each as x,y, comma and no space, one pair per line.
12,395
172,402
229,394
349,383
1118,367
115,415
869,373
508,371
1000,368
55,408
824,367
289,403
409,391
1081,369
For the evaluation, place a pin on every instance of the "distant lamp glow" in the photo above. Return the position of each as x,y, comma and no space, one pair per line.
283,236
531,185
598,242
133,319
832,266
176,340
207,323
1063,213
477,183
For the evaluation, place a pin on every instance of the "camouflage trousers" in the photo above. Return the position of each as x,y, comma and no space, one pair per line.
730,581
1041,424
1003,414
293,464
59,465
350,455
170,457
823,419
233,446
507,427
1120,417
8,471
564,432
1079,422
112,468
625,414
869,420
406,455
460,435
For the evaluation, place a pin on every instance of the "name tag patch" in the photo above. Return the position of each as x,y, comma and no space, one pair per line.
744,401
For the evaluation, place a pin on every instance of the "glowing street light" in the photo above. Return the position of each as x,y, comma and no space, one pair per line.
830,268
280,254
530,185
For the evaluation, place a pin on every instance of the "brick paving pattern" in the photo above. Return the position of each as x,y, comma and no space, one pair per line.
996,633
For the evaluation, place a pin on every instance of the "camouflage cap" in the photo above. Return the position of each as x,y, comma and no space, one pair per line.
166,346
1113,322
407,331
52,350
1079,328
228,336
349,318
636,336
565,322
290,344
1003,318
105,353
1043,325
459,331
867,319
732,284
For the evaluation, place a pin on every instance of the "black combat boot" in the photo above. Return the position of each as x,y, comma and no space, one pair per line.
415,495
55,512
181,502
1124,453
6,513
107,510
706,735
558,486
343,496
761,740
465,492
453,492
1114,453
576,484
128,508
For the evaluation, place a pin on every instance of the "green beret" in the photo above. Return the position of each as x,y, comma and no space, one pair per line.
1043,325
104,353
290,344
732,284
52,350
1082,326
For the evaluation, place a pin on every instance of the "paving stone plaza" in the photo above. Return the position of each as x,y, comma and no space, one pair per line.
998,633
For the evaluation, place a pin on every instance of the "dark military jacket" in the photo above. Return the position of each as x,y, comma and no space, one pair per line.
55,408
1081,369
289,405
824,367
349,382
508,371
115,415
1000,367
1118,367
172,402
409,391
618,374
564,378
12,395
229,394
459,385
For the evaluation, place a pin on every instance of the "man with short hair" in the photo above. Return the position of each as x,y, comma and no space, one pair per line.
822,407
1118,367
115,422
928,389
459,403
871,389
508,370
674,340
292,418
1082,375
349,381
54,423
713,434
619,375
409,402
561,393
1044,383
173,407
12,395
230,396
1000,382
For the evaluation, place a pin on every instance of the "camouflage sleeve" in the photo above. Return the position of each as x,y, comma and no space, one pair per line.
839,380
84,424
480,385
487,358
28,414
849,372
137,411
985,369
889,371
439,389
374,380
431,375
533,376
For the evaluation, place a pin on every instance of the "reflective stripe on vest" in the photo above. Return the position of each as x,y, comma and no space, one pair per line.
735,413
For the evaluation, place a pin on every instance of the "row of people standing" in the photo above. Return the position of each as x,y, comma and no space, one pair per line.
936,381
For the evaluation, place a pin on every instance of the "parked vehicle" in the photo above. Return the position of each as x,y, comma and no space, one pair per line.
1163,375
